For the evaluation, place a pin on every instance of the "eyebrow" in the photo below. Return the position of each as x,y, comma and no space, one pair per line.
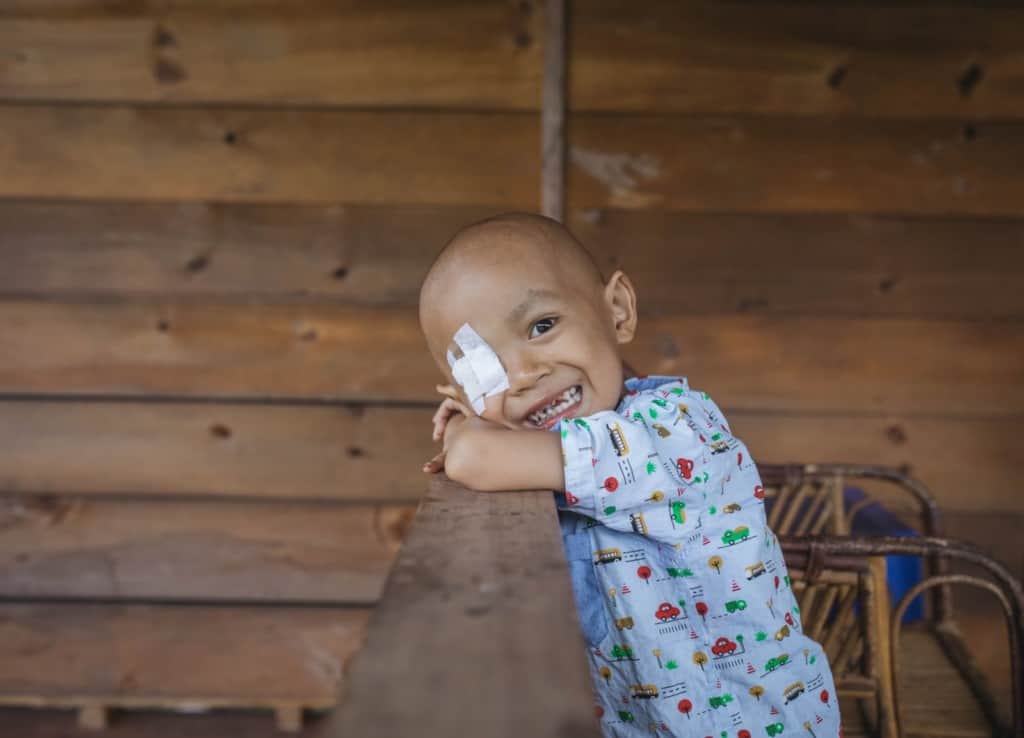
532,296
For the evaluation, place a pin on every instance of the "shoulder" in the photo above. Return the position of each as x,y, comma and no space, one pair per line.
648,397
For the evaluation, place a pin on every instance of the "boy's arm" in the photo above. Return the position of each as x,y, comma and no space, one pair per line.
489,458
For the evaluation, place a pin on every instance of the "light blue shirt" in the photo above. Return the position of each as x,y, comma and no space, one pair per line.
681,588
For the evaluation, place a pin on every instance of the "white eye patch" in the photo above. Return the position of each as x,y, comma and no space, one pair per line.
478,370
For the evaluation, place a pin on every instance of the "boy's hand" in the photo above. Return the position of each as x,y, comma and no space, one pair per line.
445,411
449,416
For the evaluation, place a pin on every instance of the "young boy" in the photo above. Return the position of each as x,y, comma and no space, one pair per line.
682,592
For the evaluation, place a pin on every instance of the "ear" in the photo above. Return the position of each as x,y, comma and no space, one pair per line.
620,298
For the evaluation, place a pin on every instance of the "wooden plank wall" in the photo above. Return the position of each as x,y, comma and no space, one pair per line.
214,218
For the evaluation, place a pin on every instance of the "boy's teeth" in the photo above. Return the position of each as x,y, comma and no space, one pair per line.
564,401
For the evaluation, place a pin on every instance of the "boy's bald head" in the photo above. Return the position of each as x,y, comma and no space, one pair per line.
531,305
498,248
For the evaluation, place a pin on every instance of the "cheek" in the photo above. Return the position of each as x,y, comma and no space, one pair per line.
494,409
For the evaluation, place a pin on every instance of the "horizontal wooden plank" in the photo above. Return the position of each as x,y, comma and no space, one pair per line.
852,265
796,164
206,656
358,254
668,56
765,164
197,550
148,450
339,453
815,58
451,54
994,532
378,255
272,9
269,155
326,351
967,463
514,638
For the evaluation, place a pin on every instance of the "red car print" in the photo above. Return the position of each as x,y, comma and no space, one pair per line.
667,611
723,647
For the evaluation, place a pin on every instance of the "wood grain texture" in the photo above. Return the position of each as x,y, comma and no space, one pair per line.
553,111
378,255
795,164
854,265
363,255
304,452
262,155
479,603
208,656
215,450
693,57
164,550
327,351
695,163
814,58
451,54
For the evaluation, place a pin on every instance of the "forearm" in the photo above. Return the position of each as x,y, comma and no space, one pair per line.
489,458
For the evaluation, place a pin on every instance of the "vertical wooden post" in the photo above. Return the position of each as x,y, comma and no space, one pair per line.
553,112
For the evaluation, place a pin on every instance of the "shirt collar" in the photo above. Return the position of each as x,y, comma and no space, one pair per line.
648,382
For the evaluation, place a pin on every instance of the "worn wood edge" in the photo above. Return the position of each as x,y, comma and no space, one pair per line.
464,571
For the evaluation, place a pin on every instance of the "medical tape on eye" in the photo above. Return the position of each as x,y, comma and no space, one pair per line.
478,371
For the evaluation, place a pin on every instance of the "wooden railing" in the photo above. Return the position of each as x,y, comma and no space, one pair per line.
476,632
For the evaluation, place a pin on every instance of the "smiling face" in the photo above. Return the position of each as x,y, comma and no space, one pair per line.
532,293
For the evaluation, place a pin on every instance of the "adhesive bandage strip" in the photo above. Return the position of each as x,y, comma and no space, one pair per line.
478,371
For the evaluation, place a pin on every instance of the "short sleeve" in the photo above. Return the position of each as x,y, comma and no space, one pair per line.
615,475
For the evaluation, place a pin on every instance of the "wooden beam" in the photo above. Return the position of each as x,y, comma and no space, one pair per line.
700,57
333,352
553,133
791,164
476,633
829,264
471,55
347,454
296,452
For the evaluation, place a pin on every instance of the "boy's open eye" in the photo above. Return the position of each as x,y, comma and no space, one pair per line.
542,326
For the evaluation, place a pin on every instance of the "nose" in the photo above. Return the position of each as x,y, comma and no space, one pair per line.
525,369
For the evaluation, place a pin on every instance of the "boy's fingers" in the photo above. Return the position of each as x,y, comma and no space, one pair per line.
435,465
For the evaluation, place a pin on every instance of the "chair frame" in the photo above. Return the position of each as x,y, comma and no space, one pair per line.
815,553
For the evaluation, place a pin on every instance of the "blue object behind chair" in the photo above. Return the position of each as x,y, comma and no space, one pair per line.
902,572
